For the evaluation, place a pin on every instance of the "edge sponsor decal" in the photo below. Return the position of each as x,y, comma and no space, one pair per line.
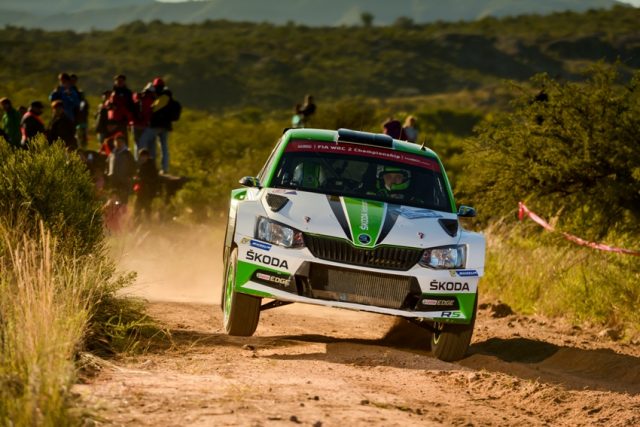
260,245
467,273
267,260
436,285
283,281
437,302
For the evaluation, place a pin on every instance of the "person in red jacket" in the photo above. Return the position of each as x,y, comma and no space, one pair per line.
31,123
120,104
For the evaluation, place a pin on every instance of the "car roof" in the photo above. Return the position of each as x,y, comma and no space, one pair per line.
332,136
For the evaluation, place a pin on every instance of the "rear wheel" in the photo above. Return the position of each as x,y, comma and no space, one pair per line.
241,312
450,342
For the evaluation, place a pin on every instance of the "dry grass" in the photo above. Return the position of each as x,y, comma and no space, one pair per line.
46,302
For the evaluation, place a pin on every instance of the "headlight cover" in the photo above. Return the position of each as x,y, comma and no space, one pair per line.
445,258
278,234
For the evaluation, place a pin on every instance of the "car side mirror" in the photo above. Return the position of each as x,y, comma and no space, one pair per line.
250,181
466,212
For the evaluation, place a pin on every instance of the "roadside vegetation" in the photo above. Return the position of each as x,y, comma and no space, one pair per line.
57,285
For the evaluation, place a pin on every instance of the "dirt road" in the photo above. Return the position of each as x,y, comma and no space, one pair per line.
324,367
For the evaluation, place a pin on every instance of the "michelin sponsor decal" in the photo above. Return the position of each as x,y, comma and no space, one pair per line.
260,245
467,273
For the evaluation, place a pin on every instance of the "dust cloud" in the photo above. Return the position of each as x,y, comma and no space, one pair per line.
173,262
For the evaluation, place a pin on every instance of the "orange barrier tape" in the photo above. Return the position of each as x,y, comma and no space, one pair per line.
523,210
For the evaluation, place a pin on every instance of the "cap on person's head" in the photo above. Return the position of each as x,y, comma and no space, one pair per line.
120,77
149,88
63,77
158,82
120,136
56,103
36,104
143,152
5,100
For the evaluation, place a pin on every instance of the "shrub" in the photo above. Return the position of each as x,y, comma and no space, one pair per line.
570,148
46,183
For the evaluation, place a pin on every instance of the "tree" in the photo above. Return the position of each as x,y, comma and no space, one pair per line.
565,147
367,19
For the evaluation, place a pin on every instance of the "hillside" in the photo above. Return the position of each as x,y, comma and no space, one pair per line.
79,15
220,64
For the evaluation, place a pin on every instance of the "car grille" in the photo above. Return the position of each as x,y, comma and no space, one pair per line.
385,257
377,289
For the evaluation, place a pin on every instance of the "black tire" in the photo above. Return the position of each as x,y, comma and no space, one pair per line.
450,342
241,312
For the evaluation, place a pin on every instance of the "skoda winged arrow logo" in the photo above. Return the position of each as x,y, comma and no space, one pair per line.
365,239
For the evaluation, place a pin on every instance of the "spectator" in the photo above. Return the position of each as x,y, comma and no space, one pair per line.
296,120
143,102
393,128
109,142
410,130
22,110
61,127
66,93
31,123
147,184
121,169
102,117
307,110
165,110
120,104
10,122
82,118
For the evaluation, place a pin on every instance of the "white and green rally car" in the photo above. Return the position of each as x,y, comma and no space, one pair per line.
353,220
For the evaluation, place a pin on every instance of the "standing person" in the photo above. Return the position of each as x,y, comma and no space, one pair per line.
165,110
61,127
147,184
393,128
31,123
121,106
102,117
121,169
144,109
82,118
296,119
410,130
66,93
307,110
11,123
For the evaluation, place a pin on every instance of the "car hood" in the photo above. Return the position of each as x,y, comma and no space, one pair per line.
365,223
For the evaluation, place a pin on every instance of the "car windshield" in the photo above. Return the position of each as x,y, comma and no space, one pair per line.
369,172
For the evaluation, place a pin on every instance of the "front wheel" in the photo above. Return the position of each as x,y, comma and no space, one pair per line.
241,312
450,342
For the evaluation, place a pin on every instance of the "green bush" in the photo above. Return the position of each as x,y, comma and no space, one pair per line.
566,148
47,183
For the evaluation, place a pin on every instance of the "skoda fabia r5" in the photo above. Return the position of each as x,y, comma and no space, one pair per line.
358,221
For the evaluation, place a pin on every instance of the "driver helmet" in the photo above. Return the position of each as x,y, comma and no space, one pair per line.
399,182
309,175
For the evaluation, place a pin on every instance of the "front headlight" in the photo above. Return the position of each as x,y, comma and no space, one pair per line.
278,234
445,258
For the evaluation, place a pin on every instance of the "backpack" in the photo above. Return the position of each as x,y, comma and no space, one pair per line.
175,109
